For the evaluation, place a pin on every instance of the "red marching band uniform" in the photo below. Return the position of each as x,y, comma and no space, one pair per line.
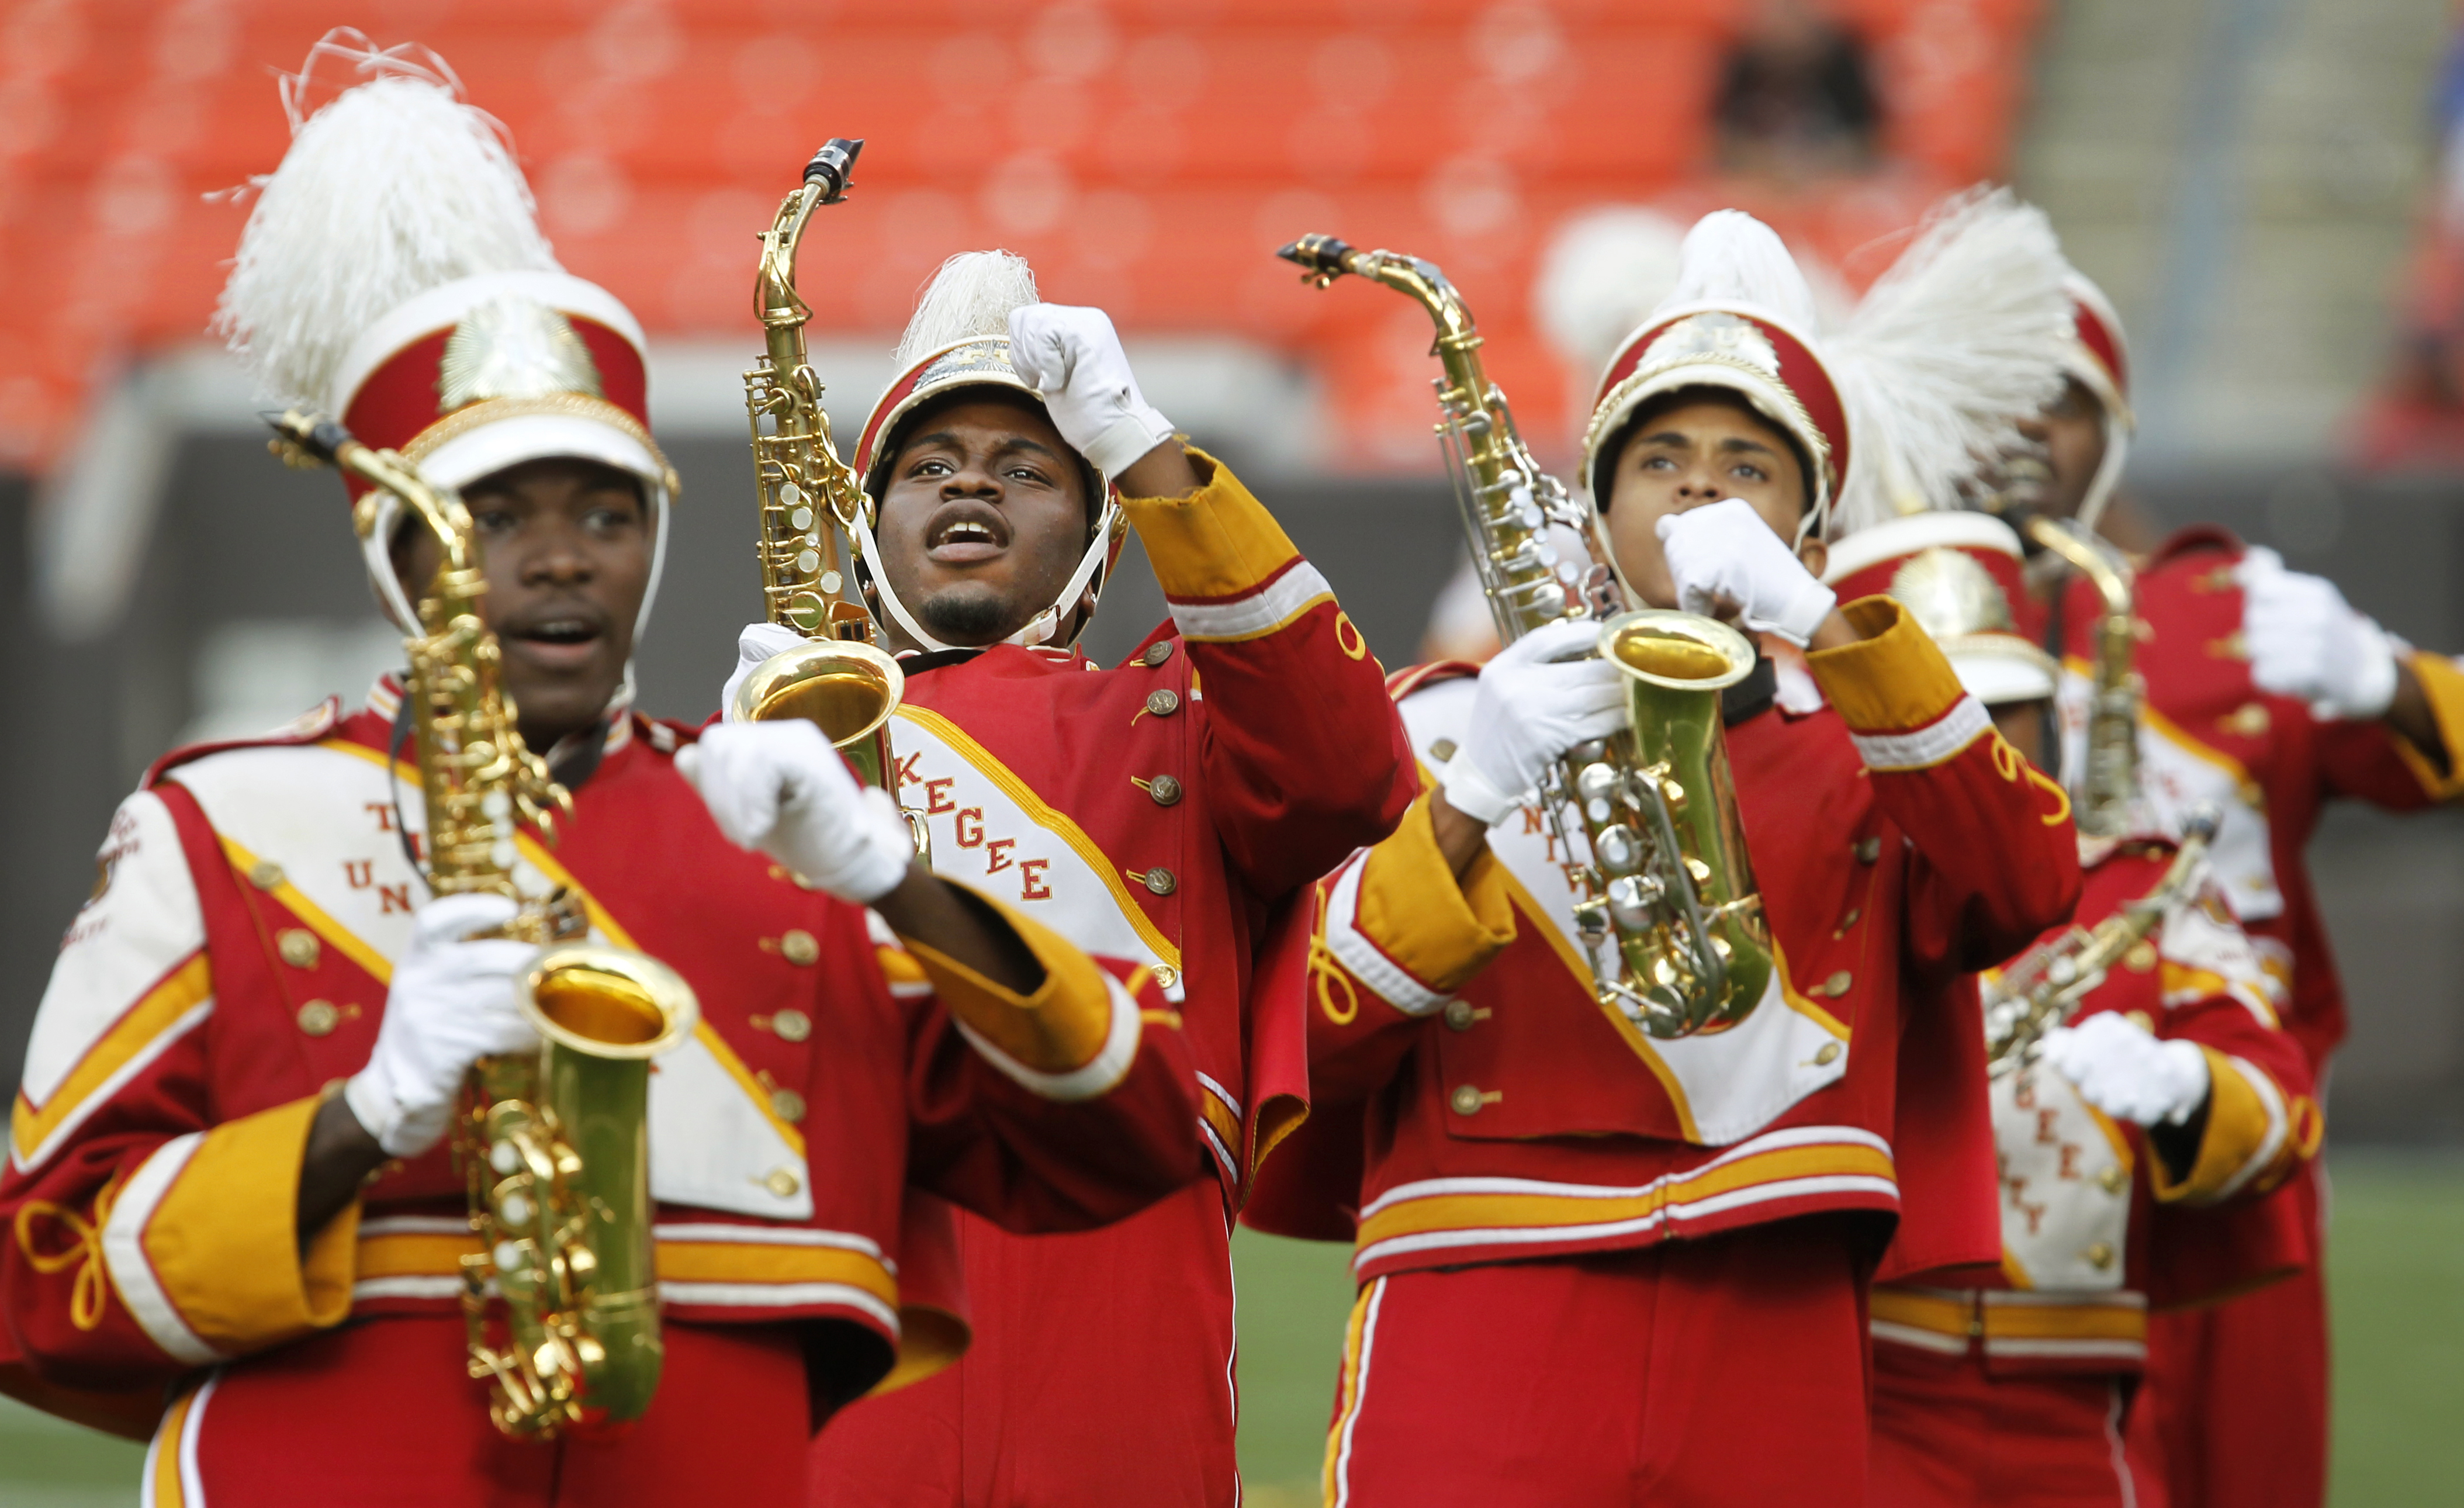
2235,1404
1165,811
1661,1229
232,964
2011,1384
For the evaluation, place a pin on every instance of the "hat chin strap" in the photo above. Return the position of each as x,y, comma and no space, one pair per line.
2108,471
1040,630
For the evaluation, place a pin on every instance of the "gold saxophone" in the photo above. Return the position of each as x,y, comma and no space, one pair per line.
2043,986
1669,914
553,1145
841,682
2109,787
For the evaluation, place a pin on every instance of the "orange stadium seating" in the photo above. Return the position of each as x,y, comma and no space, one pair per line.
1147,154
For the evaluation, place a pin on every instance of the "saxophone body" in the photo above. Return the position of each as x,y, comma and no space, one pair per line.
553,1145
841,681
1669,913
2043,986
2108,788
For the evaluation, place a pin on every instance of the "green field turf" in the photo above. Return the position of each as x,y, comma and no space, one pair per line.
2398,1278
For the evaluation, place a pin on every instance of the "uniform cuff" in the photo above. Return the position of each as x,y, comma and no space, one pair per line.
2442,685
1073,1038
215,1250
1894,680
2250,1137
1440,929
1217,542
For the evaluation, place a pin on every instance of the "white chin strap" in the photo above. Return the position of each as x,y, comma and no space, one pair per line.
1040,630
2108,471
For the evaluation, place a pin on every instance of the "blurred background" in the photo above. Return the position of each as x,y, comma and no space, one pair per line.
2272,190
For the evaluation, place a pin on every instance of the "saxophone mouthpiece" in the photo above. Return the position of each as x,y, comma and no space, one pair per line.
304,438
2201,822
833,166
1319,257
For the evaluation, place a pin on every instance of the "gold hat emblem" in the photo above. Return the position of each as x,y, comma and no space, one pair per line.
1713,333
1951,594
514,347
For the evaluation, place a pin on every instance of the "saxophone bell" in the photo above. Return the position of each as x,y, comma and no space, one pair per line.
845,687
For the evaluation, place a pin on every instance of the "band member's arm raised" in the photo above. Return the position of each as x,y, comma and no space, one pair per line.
1998,854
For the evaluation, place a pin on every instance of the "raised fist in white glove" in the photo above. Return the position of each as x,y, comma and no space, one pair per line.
754,647
779,787
1725,557
2123,1070
1533,703
1074,356
2306,642
452,1004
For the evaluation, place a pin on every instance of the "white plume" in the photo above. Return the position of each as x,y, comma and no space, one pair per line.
1604,270
394,188
1962,336
972,295
1731,257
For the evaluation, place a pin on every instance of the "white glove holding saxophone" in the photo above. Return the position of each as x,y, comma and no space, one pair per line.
780,789
1533,704
450,1004
2306,642
753,648
2125,1070
1074,356
1723,555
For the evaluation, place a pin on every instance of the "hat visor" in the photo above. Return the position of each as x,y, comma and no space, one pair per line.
518,438
1999,669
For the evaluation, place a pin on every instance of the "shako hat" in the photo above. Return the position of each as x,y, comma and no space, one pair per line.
1957,573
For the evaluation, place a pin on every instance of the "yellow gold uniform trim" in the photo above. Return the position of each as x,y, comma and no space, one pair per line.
1973,1314
1217,542
2442,685
1439,930
421,1253
243,861
180,992
1894,680
1059,1029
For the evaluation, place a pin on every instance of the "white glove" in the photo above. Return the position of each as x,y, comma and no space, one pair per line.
452,1004
2121,1068
1725,555
1527,713
780,788
753,648
2306,642
1074,356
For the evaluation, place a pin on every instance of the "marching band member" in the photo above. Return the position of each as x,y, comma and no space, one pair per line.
1160,810
2267,696
1596,1263
227,1202
2171,1089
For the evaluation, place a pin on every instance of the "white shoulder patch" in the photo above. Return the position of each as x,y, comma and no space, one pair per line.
142,923
2065,1185
710,1146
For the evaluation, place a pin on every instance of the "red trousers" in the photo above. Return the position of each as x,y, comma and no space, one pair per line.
1100,1374
380,1414
2234,1413
1945,1435
1729,1371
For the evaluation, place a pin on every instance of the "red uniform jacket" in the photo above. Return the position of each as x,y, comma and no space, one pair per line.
234,957
1161,811
2264,762
1501,1113
2097,1225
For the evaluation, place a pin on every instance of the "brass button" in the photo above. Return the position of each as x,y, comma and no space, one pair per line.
1835,986
1828,1055
1166,976
1459,1016
792,1025
1846,923
1442,751
1465,1100
1165,790
1160,881
1163,703
783,1183
2141,958
297,947
1868,849
1157,653
265,875
2099,1256
787,1105
319,1018
798,946
2113,1179
2140,1019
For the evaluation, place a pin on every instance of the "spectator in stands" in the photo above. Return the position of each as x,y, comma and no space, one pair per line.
1796,99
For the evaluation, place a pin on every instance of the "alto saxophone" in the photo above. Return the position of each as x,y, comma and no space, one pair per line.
840,680
2109,787
553,1145
1669,914
2044,986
